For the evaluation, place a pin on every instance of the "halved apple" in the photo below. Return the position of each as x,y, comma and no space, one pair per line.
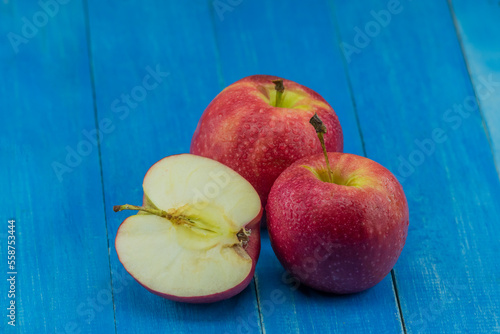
197,236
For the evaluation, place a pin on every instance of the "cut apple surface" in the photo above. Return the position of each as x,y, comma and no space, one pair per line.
196,239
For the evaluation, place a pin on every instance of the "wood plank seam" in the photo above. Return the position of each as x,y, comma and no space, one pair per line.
346,72
395,285
94,102
349,84
483,119
261,319
222,86
255,55
192,66
220,76
459,200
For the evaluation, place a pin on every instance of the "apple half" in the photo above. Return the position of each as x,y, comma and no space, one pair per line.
197,236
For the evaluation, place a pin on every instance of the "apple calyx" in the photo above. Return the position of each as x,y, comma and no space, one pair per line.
280,88
320,128
242,235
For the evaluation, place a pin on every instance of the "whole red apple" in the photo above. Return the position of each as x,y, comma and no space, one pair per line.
341,233
259,126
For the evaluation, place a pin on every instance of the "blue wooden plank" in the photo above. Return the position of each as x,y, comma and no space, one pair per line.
298,41
258,37
418,117
63,277
155,69
479,33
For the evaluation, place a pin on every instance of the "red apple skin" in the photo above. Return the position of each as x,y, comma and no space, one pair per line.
337,238
253,250
259,141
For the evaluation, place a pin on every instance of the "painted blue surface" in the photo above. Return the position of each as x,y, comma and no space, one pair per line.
143,74
62,262
309,55
447,276
181,47
479,33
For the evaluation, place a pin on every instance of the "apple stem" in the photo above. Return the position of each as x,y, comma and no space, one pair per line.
153,211
178,219
320,128
278,85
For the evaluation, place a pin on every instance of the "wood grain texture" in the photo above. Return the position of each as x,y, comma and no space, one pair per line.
405,78
63,280
129,41
479,34
405,95
298,41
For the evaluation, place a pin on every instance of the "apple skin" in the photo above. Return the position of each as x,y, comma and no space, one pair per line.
332,237
241,129
253,250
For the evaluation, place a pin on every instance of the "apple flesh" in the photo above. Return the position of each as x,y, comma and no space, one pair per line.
340,232
196,239
244,128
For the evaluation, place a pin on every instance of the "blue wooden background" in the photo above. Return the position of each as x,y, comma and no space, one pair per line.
95,92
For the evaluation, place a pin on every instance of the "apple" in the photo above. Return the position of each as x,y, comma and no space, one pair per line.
259,126
196,238
337,222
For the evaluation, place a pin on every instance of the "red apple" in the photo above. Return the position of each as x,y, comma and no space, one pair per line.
259,128
342,231
196,238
